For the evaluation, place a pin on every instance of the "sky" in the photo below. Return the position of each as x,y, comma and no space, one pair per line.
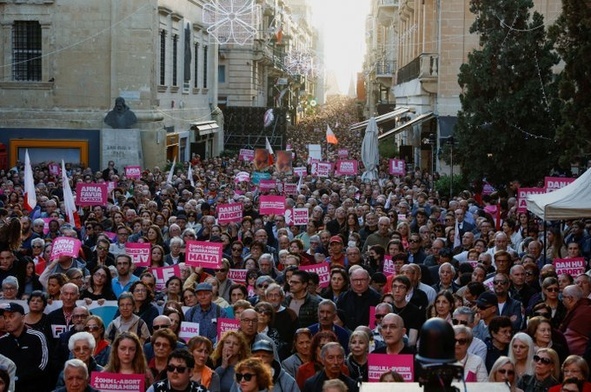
343,23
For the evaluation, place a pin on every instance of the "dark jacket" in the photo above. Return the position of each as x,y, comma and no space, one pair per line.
314,383
308,311
356,307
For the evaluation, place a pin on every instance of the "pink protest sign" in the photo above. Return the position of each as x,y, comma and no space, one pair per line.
110,234
388,266
267,185
523,193
290,189
246,155
300,171
54,169
204,254
117,382
343,153
271,204
397,167
379,364
139,253
46,224
65,246
372,317
300,216
134,172
346,168
229,213
162,274
242,177
111,185
237,275
188,330
323,271
91,194
574,267
321,169
227,324
554,183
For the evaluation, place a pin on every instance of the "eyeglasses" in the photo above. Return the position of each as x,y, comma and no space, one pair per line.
79,316
379,316
157,327
101,248
552,289
81,349
544,360
249,321
161,344
460,322
462,342
236,249
499,282
508,372
172,368
245,376
262,286
91,328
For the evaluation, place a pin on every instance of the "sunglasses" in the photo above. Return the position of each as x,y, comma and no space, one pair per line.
379,316
262,286
462,342
91,328
500,282
545,361
221,270
508,372
157,327
245,376
172,368
553,289
413,241
459,322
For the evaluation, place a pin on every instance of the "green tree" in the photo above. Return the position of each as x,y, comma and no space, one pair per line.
572,37
505,128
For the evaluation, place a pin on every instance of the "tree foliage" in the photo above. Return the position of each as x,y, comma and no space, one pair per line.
506,127
572,37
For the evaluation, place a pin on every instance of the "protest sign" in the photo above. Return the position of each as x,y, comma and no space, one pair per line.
91,194
523,193
346,168
204,254
140,253
117,382
574,267
133,172
323,271
246,155
65,246
229,213
397,167
271,204
378,364
188,330
162,274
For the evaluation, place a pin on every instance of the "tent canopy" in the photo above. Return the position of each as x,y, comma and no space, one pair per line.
571,202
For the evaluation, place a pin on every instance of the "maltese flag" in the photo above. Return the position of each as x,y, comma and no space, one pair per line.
30,196
330,136
171,172
270,149
70,207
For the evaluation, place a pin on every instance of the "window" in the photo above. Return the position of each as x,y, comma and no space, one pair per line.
205,66
175,51
162,57
26,51
196,81
222,74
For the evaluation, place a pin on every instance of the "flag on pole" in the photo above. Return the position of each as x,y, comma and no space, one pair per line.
457,240
171,172
270,149
190,175
30,196
70,207
330,136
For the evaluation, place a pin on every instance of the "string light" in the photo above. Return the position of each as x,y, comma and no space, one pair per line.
529,134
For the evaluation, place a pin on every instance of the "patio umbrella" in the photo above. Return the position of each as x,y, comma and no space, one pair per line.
369,151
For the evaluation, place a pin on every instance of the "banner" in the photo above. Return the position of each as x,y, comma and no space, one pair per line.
388,266
242,176
523,193
54,169
237,275
270,204
204,254
379,364
188,330
346,168
246,155
258,176
111,185
267,185
261,159
300,171
140,253
574,267
117,382
323,271
554,183
91,194
397,167
162,274
229,213
343,153
284,162
321,169
133,172
300,216
227,324
315,151
290,189
65,246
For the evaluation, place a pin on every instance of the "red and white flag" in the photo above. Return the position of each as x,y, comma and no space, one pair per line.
330,136
70,207
270,149
30,195
171,172
190,175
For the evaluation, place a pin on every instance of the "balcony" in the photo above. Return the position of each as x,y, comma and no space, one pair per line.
385,71
387,11
425,68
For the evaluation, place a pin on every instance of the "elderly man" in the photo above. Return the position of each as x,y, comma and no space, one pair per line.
206,313
380,237
332,357
62,319
356,301
76,377
327,313
286,320
248,329
576,325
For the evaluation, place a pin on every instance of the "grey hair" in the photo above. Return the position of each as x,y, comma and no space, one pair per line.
177,241
10,281
465,310
38,241
328,302
330,345
81,336
76,364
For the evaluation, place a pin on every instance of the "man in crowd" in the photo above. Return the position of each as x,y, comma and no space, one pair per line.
357,300
332,357
327,312
576,325
124,278
206,312
300,301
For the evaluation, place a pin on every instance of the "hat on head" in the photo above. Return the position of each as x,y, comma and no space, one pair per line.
487,299
262,345
336,238
12,307
203,287
181,215
264,279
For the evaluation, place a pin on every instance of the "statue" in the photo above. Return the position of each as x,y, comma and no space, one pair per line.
121,117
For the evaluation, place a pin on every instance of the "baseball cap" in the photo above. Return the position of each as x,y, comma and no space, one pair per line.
12,307
203,287
262,345
336,238
486,300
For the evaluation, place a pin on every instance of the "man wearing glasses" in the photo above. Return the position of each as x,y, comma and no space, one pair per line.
506,305
576,325
178,374
118,247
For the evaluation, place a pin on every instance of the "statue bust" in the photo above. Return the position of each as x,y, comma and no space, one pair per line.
121,117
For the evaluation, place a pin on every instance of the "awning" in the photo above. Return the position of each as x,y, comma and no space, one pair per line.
417,120
380,119
205,127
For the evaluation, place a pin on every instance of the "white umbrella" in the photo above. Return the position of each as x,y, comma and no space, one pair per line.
369,151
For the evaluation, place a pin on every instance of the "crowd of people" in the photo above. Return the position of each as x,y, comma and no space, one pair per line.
398,255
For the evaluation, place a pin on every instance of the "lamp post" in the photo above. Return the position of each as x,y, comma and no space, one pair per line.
451,141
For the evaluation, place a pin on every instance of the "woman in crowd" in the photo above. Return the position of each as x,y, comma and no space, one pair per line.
176,316
474,367
503,370
237,291
521,353
201,348
157,256
54,286
575,366
555,241
36,318
266,318
550,296
143,297
99,286
357,359
540,330
173,289
189,297
163,342
127,321
352,225
81,346
94,325
339,284
31,281
127,357
252,375
443,307
546,372
301,344
76,276
154,236
231,349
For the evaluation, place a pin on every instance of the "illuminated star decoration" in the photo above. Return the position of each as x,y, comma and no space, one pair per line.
300,63
232,21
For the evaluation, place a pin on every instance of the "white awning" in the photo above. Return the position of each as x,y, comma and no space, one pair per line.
205,127
417,120
381,118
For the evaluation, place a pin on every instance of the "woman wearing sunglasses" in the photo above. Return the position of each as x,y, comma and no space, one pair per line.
252,375
474,367
546,372
95,326
503,370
